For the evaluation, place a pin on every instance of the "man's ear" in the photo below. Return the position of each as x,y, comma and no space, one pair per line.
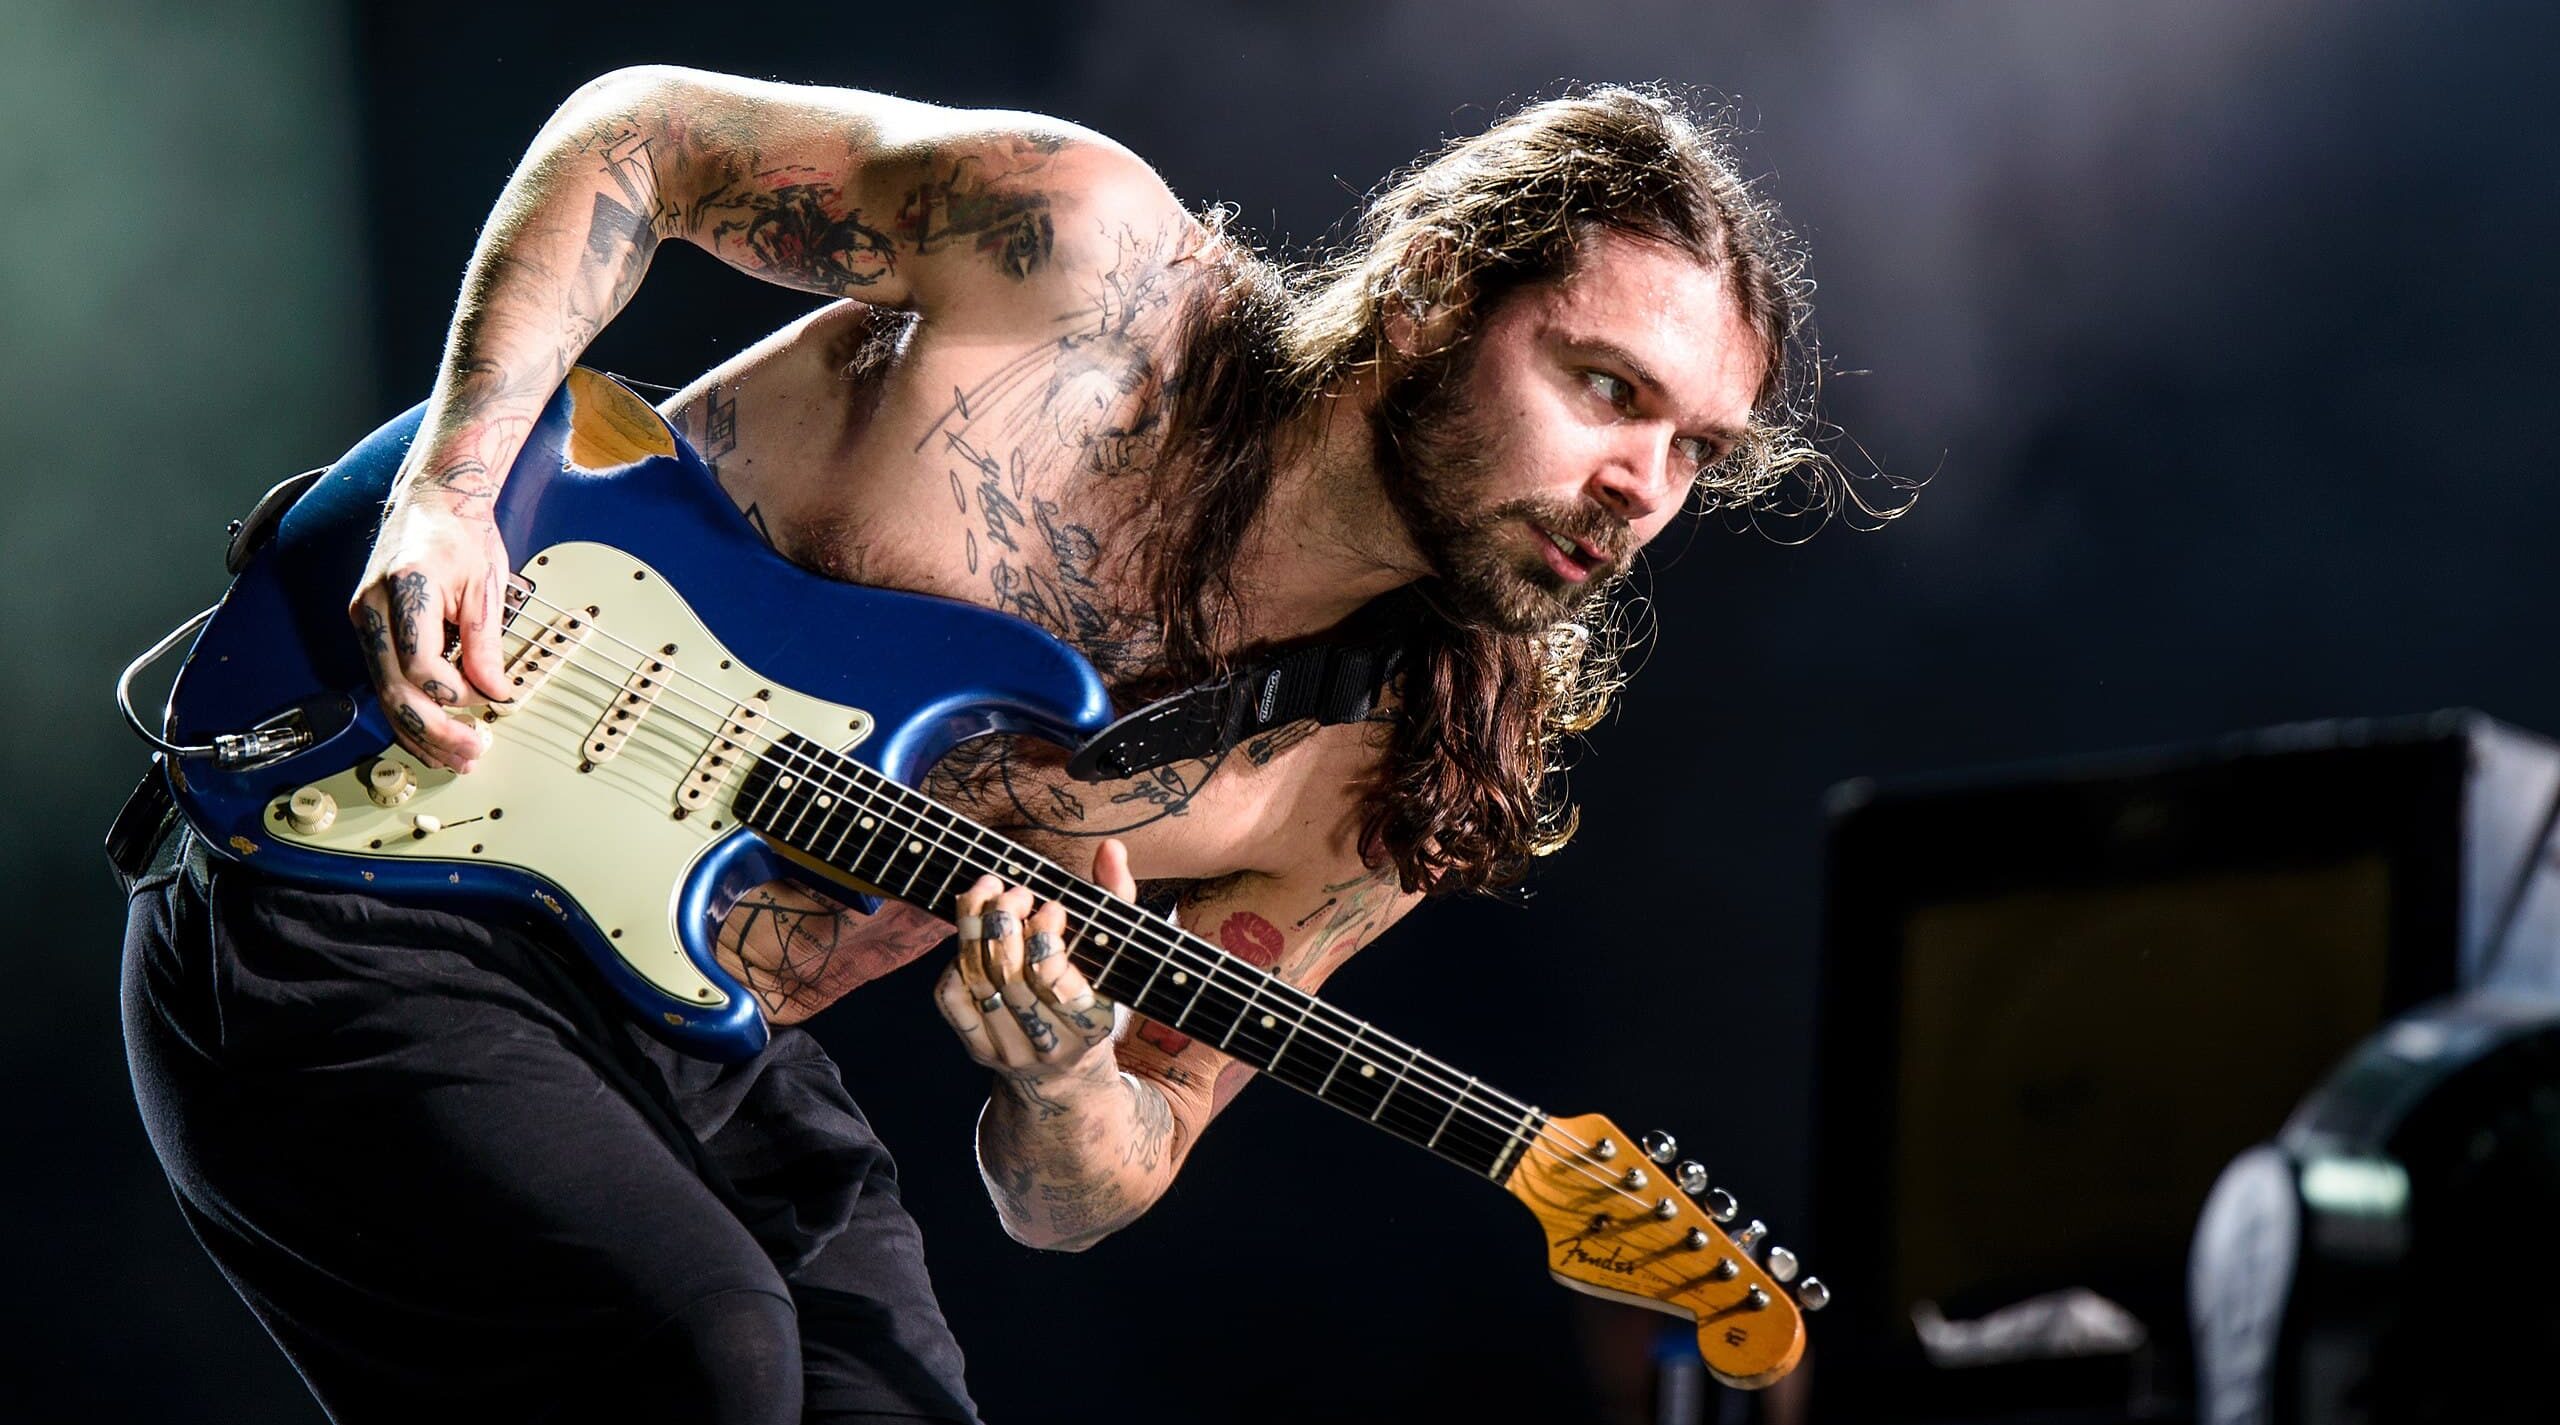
1426,293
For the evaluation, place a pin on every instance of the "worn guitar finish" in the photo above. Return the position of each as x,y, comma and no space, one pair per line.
694,716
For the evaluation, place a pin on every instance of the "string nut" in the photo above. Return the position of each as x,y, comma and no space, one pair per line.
1812,1295
1660,1147
1692,1177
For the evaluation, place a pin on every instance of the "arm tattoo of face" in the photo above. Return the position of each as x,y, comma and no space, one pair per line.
1011,228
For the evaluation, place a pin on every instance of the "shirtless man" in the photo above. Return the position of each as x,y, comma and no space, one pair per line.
1050,389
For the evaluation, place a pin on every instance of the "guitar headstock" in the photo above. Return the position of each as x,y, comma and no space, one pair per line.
1622,1221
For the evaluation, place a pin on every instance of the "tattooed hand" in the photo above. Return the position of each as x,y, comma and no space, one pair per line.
1011,994
438,569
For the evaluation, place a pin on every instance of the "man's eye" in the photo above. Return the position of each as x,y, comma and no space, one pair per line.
1699,453
1611,389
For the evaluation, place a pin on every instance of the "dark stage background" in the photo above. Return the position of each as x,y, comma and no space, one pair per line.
2223,329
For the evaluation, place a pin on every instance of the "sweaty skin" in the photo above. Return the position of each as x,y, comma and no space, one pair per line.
973,418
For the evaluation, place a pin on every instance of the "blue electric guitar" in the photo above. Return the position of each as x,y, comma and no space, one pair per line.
695,716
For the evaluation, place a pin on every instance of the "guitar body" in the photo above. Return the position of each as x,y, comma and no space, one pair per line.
658,630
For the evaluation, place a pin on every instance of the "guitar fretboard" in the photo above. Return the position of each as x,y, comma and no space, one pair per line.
886,835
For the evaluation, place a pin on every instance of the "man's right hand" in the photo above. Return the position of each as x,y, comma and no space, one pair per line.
436,570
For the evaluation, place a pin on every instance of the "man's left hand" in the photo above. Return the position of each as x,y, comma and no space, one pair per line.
1012,995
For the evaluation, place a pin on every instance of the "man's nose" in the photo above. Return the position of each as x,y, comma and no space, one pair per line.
1634,481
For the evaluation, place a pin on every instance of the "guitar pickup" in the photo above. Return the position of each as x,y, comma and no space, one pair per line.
639,694
542,653
728,752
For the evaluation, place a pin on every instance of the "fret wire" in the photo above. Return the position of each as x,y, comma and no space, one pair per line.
1347,1051
1246,1013
1452,1113
1390,1091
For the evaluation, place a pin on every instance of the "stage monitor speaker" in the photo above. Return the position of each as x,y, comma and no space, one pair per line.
2057,1001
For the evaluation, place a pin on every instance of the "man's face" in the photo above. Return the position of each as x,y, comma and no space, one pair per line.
1540,454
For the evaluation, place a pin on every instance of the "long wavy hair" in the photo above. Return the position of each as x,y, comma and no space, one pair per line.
1467,796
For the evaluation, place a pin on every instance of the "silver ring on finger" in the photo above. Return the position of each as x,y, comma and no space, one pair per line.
991,1003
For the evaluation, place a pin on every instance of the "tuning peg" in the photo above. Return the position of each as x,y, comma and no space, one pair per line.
1635,1180
1666,1209
1604,1150
1692,1177
1660,1146
1722,1207
1697,1239
1748,1239
1812,1295
1782,1264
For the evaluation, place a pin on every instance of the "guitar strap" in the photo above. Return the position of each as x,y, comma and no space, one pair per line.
1330,682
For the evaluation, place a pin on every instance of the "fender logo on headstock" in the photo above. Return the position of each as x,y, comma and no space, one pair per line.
1570,1250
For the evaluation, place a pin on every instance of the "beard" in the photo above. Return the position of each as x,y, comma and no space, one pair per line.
1436,459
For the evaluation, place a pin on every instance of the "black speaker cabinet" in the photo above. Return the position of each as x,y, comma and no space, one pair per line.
2057,1001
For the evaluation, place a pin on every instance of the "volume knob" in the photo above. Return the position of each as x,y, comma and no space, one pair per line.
389,782
310,810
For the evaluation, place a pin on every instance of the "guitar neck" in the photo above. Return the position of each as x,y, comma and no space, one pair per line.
884,834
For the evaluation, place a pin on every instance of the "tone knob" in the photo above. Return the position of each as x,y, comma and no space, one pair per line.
1722,1207
1782,1264
1812,1295
1660,1146
310,810
1692,1177
389,782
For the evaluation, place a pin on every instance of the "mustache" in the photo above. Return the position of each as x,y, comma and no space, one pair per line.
1580,521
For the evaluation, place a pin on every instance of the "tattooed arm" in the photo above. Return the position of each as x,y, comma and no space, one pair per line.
1070,1158
958,214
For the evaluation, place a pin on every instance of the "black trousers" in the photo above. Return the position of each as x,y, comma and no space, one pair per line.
454,1185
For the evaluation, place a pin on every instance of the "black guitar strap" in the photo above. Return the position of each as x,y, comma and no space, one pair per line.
1330,682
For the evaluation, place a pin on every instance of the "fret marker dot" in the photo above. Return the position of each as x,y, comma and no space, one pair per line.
825,800
1368,1071
1102,940
786,781
1180,978
867,823
915,846
1269,1023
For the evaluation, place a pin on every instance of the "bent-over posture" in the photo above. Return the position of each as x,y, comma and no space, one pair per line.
454,1185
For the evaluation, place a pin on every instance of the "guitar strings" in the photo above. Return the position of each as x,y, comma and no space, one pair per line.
1137,921
827,776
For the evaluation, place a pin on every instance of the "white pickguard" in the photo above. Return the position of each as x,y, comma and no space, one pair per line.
610,837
